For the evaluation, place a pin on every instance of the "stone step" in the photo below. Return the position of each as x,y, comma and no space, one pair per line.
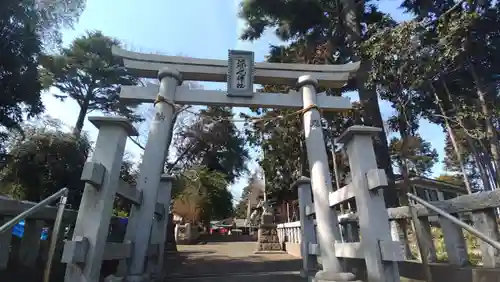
278,276
328,276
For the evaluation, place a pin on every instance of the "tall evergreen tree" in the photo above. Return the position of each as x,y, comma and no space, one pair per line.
241,208
211,156
25,28
88,73
331,29
446,57
418,155
213,141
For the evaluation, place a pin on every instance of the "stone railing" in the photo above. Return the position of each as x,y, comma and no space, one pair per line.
97,235
28,250
31,250
289,235
376,234
479,207
90,244
289,232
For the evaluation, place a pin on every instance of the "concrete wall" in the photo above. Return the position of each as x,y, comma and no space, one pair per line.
293,249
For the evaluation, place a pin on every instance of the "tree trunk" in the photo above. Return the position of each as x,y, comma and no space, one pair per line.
170,244
483,170
369,98
458,151
77,130
172,124
80,121
403,166
490,130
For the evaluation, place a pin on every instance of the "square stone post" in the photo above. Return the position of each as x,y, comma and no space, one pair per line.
307,232
30,243
152,168
159,228
102,174
5,241
373,217
165,197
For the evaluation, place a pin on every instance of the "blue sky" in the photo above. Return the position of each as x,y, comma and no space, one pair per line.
194,28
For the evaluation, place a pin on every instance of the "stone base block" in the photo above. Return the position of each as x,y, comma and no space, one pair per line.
138,278
270,252
112,278
267,239
269,247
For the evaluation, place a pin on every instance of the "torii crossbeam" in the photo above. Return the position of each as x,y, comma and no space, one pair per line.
185,96
194,69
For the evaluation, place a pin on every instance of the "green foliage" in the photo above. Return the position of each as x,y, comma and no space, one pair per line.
211,155
20,49
472,242
452,164
204,195
120,213
24,27
43,162
121,207
281,137
88,73
418,155
441,66
53,16
284,17
324,32
452,178
241,208
213,141
283,153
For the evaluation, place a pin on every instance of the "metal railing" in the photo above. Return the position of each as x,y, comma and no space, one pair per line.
457,221
62,194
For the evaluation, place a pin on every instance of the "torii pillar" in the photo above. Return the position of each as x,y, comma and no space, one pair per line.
321,182
152,167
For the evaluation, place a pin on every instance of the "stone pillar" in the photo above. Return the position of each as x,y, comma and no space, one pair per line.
372,213
321,182
267,239
166,193
267,235
398,234
5,241
188,232
30,243
159,228
102,175
152,167
308,234
176,232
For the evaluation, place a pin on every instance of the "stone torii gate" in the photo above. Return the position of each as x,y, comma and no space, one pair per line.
240,72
